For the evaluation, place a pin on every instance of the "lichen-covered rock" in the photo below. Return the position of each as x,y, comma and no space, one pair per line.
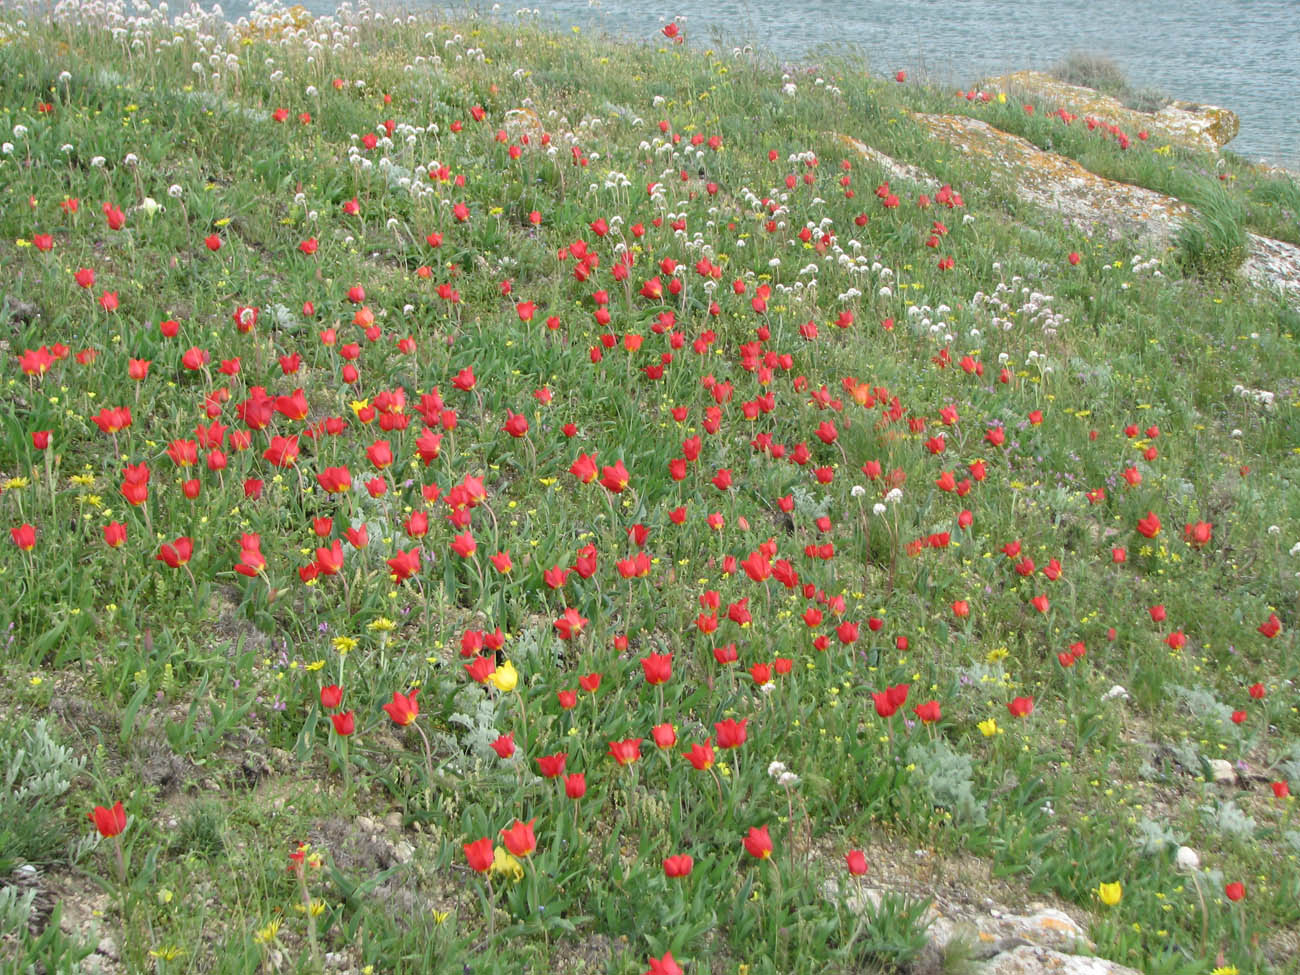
1056,182
1047,927
1034,960
1185,123
1095,204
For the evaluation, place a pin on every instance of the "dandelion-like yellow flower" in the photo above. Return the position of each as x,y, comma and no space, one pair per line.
345,644
381,625
265,935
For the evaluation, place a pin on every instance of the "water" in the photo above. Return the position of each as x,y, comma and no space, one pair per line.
1243,55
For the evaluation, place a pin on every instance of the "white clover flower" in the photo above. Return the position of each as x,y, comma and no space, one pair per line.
131,159
1295,550
96,162
857,491
786,780
1274,530
894,496
878,508
20,131
776,768
175,191
7,148
1236,434
65,76
65,148
311,91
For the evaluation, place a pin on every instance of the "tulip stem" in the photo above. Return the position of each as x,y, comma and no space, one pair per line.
428,758
1205,916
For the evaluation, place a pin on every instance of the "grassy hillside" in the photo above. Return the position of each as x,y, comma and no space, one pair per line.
417,430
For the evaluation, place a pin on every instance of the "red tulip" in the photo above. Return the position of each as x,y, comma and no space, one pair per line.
679,865
575,785
405,564
519,838
731,733
625,752
658,668
176,554
344,723
1020,707
504,746
929,712
758,843
331,696
1235,891
24,537
1198,534
1149,526
552,766
403,709
700,756
616,478
664,735
109,822
571,624
857,862
479,854
1281,790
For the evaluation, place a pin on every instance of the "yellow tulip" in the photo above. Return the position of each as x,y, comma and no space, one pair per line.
505,677
504,863
1110,894
989,727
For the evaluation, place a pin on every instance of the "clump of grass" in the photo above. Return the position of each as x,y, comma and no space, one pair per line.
1089,69
1213,243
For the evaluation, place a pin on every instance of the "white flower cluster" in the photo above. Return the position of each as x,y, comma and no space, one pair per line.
784,777
1261,397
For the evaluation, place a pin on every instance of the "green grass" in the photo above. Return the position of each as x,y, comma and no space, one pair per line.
831,340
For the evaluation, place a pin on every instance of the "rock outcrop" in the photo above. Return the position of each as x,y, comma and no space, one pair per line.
1095,204
1185,123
